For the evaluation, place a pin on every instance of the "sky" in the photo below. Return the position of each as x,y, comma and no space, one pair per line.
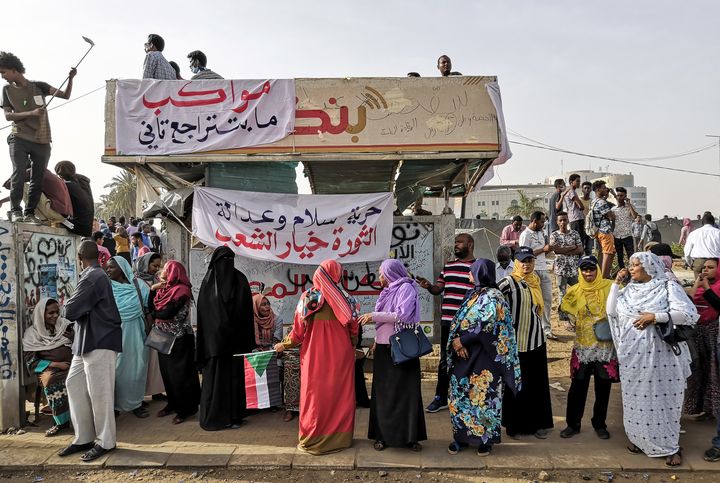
609,78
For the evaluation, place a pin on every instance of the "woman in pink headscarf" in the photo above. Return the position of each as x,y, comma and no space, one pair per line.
396,408
326,325
685,231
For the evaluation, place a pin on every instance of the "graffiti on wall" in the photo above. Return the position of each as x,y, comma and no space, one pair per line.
8,308
50,269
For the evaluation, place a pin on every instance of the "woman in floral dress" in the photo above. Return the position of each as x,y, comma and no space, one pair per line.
482,357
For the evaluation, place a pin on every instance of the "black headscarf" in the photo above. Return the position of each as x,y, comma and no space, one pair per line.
225,320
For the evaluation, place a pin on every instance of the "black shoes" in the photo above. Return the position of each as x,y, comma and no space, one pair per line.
75,448
568,432
96,452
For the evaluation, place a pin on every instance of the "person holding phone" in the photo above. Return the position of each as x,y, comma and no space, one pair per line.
46,346
703,386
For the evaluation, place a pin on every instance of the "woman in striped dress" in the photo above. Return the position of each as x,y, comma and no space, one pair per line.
530,410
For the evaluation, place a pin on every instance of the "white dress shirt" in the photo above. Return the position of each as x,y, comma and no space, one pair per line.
501,272
703,243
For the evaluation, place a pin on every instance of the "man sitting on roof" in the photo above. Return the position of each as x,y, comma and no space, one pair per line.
198,66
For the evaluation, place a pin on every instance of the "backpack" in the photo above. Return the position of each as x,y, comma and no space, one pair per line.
655,234
591,229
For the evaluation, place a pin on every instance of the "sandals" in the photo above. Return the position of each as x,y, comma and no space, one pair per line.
415,447
166,411
379,445
289,416
634,449
674,460
56,429
178,420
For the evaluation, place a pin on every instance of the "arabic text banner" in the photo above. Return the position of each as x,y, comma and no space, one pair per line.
302,229
154,117
283,283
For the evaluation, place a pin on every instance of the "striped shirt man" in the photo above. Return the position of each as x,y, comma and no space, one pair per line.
455,278
526,319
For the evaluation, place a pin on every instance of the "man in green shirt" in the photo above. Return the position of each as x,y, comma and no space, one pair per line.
23,101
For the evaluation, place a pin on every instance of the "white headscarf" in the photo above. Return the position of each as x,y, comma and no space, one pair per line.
655,296
37,338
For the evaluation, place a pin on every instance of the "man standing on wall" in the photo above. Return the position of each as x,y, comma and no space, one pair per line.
453,283
534,237
603,217
98,339
624,215
556,204
23,101
574,208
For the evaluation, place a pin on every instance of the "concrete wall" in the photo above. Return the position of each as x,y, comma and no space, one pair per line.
35,262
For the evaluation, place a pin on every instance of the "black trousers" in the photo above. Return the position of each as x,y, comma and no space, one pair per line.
443,384
579,226
577,396
26,154
626,244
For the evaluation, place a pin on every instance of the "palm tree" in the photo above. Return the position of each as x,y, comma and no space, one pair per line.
121,199
525,207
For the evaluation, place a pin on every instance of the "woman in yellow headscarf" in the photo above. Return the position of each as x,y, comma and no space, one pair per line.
593,353
529,411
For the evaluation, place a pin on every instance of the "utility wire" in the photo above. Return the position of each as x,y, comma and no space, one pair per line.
625,161
64,103
624,158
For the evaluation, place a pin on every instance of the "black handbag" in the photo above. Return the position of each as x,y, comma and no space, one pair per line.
674,334
409,344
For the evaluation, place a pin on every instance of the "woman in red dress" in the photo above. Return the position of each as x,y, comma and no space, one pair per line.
326,326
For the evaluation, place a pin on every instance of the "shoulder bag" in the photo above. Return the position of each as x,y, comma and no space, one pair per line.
408,344
674,334
160,341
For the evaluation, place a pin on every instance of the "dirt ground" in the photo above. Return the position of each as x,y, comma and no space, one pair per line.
216,476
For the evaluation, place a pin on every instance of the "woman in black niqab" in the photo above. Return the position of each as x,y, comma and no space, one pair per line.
225,326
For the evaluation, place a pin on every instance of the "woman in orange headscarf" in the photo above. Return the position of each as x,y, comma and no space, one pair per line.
326,325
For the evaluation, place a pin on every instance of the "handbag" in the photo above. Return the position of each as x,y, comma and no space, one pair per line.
408,344
160,341
148,319
674,334
601,328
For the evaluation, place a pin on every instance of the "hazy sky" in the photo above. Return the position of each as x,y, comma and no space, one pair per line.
615,78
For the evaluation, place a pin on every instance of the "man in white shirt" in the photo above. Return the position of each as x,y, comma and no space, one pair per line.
534,237
504,265
702,244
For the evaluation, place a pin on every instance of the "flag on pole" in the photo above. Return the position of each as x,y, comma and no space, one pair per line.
262,380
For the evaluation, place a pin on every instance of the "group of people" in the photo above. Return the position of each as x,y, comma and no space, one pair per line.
128,240
493,370
156,66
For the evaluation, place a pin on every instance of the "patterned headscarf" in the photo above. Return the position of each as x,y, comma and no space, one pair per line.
653,296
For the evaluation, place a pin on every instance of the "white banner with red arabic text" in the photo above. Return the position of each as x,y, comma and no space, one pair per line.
154,117
303,229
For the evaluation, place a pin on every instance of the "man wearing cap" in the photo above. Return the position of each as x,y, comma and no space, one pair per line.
534,237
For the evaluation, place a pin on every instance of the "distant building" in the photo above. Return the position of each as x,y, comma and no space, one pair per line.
493,201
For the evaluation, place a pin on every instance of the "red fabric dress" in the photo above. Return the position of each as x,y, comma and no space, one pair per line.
327,384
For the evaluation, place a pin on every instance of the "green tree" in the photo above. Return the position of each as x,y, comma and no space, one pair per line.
525,207
121,199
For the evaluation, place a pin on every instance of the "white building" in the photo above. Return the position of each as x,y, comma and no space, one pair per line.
492,201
